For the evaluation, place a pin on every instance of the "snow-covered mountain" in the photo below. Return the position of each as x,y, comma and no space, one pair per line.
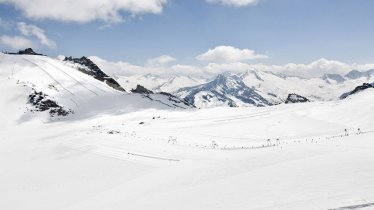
261,88
225,90
157,83
355,74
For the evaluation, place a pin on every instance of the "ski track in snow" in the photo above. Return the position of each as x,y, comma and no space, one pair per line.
78,82
50,75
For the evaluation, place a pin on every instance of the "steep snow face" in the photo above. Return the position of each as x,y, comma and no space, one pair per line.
68,88
226,89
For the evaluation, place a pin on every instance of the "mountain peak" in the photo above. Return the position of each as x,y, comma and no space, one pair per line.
335,77
355,74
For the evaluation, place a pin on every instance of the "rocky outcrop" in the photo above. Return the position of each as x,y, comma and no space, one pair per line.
163,97
27,51
141,90
176,100
357,89
43,103
93,70
294,98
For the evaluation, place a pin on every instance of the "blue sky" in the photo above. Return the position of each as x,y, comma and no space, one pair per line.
297,31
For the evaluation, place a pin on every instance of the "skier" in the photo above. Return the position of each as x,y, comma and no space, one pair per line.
172,140
214,144
133,134
268,142
359,131
346,132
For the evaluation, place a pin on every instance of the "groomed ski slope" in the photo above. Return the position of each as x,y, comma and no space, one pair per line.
145,157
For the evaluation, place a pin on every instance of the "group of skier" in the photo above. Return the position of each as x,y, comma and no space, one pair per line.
358,132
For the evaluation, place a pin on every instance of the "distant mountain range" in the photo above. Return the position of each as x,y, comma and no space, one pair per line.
252,88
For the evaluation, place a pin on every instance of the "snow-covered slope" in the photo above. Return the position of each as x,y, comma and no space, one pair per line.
357,90
71,89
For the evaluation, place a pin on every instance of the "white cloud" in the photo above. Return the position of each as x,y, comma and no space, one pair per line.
224,54
160,61
83,10
235,3
121,68
31,30
16,42
314,69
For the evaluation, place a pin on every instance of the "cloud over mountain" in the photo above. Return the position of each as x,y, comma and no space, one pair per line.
224,54
16,42
32,30
309,70
160,61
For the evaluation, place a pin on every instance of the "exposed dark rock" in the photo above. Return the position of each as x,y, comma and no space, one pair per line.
176,99
295,98
141,90
176,102
42,103
28,51
357,89
94,71
113,132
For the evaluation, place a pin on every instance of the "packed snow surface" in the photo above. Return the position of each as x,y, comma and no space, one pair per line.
121,151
